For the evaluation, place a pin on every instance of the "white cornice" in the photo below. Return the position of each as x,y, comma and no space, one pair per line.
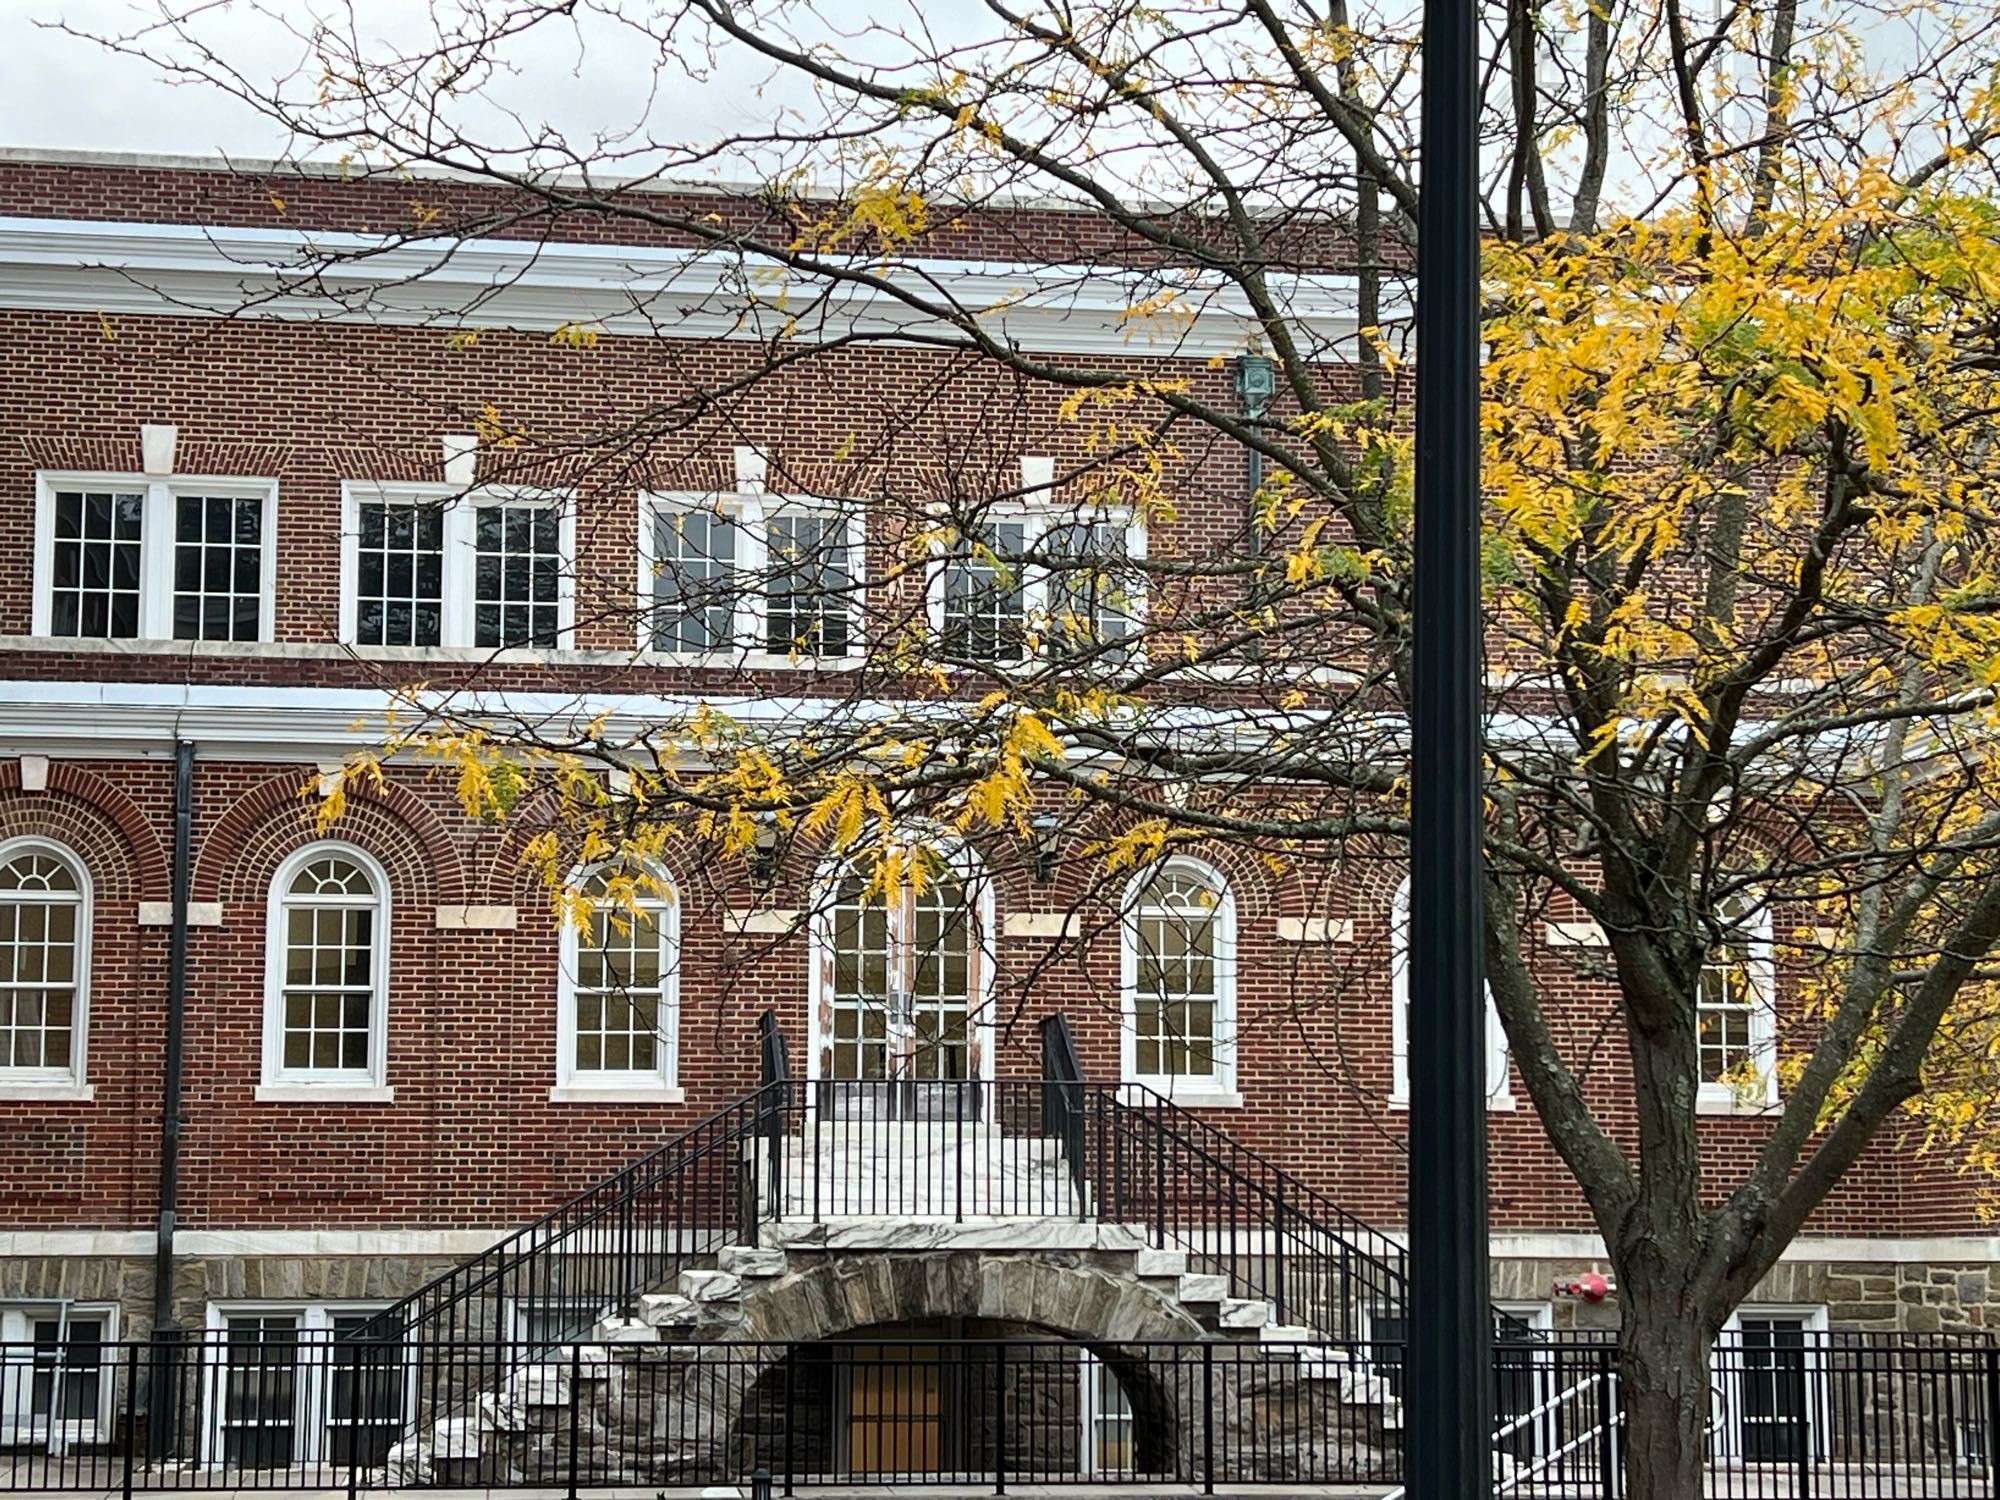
121,269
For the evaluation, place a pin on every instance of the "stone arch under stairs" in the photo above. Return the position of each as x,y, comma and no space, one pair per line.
1087,1300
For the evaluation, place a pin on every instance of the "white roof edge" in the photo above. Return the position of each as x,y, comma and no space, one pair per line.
719,187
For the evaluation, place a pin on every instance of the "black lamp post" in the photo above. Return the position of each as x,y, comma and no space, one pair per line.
1448,1386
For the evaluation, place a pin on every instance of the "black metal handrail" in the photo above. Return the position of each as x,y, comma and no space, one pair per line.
1233,1211
596,1254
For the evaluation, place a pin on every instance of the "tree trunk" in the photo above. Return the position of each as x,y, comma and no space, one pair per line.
1663,1382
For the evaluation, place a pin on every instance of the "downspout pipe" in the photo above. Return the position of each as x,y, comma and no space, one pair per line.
1256,384
165,1333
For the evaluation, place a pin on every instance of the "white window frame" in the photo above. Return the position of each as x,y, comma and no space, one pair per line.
312,1378
1096,1379
156,545
752,512
1499,1078
68,1082
458,610
1038,519
1219,1089
1739,1099
1726,1412
658,1085
324,1085
17,1319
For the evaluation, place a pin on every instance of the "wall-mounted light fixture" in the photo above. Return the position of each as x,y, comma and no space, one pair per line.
764,853
1044,844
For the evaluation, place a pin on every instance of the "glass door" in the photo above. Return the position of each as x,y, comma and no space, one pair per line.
901,976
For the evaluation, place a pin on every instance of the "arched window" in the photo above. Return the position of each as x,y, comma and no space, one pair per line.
326,1008
1736,1020
44,961
618,1024
1499,1085
1179,980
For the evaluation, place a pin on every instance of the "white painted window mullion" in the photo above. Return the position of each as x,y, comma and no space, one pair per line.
156,563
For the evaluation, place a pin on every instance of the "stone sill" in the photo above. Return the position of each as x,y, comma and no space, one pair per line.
324,1093
77,1093
600,1093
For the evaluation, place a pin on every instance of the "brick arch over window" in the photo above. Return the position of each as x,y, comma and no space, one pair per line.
271,820
93,817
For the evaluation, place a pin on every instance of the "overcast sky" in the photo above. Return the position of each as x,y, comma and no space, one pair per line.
58,91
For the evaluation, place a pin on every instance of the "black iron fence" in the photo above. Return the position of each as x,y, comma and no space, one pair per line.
1850,1417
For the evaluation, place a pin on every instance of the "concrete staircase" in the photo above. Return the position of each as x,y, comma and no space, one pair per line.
929,1169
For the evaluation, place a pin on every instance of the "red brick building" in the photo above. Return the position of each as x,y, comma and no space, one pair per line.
225,538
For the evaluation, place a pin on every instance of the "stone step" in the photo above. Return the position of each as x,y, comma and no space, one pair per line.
711,1286
1200,1290
745,1262
1169,1263
1243,1312
1286,1333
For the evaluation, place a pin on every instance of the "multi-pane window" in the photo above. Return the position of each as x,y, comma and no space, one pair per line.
517,575
751,573
325,1021
429,566
1092,590
1043,582
304,1385
1733,1019
153,559
694,582
42,936
1107,1422
218,567
621,1008
399,598
985,603
55,1380
1179,971
807,585
97,563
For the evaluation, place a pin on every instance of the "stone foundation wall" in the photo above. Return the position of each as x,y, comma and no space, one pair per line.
1859,1296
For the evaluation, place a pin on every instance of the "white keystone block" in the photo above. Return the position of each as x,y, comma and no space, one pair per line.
667,1310
711,1286
1038,471
157,441
34,773
1243,1312
752,469
1151,1262
1198,1288
742,1260
461,458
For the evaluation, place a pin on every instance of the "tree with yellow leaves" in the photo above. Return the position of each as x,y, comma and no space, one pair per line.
1744,292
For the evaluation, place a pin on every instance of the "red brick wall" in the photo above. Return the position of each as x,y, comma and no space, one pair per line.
472,1137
